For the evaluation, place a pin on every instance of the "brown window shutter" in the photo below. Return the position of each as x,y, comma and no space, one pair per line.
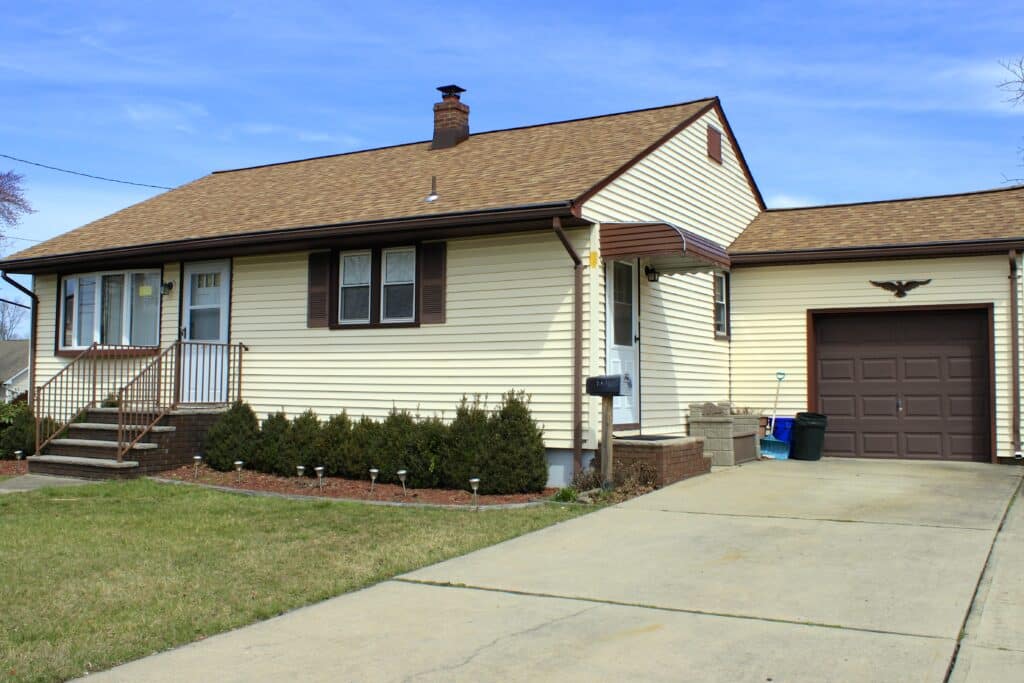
319,295
715,144
433,282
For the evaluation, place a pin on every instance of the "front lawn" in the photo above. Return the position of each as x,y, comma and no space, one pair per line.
97,575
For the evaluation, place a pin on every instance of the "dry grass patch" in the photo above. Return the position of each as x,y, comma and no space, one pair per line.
102,574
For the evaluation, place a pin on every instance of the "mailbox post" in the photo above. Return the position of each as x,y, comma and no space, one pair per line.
607,387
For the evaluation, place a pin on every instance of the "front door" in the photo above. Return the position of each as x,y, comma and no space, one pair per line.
204,332
623,338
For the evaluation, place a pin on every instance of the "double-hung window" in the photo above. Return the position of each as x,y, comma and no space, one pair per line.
377,286
112,308
721,305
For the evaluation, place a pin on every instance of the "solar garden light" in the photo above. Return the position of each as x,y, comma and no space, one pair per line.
300,470
320,475
238,468
18,455
401,477
475,485
196,459
373,477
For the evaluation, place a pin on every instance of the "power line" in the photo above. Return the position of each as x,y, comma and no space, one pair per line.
84,175
23,239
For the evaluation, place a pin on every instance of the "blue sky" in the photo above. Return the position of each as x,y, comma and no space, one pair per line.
831,102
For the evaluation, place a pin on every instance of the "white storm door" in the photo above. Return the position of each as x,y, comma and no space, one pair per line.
204,333
623,341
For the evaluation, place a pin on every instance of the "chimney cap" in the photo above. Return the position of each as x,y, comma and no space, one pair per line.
451,90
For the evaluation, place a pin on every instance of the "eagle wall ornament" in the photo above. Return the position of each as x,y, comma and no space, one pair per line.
899,288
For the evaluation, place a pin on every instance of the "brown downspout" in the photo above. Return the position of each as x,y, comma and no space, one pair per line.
1015,351
32,331
577,346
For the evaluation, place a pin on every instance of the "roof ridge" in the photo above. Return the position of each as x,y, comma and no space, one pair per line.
896,199
472,135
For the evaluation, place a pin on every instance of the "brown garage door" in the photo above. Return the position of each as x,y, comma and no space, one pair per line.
908,384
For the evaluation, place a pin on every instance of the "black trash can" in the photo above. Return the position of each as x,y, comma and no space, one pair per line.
808,436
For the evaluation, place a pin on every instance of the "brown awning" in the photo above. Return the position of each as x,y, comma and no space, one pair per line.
668,248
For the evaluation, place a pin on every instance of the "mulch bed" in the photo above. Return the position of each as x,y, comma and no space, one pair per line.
12,468
336,487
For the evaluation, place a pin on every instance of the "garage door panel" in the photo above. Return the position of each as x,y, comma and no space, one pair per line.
911,384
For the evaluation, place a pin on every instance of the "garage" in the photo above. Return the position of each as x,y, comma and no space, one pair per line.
912,384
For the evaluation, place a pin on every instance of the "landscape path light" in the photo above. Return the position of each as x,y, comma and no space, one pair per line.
300,470
475,484
401,477
373,477
18,455
196,459
320,475
238,468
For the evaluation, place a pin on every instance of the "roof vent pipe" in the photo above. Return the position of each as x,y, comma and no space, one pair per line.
451,118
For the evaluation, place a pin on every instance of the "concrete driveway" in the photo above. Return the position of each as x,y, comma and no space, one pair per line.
775,571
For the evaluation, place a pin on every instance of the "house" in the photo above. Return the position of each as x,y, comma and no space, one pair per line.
529,258
13,368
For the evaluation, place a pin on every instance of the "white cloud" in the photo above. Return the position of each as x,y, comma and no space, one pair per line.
782,200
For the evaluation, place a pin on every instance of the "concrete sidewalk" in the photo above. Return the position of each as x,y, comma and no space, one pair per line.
836,570
31,482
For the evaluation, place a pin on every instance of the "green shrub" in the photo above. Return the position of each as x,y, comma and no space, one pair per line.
275,438
426,452
336,445
235,436
19,430
566,495
515,462
469,440
362,454
391,446
303,446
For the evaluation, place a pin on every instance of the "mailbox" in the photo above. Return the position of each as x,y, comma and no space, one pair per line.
606,385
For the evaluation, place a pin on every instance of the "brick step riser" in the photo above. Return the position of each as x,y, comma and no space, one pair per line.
82,471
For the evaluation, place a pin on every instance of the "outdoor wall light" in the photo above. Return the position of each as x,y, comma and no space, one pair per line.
319,469
238,468
196,459
373,477
300,470
166,287
401,478
474,483
651,273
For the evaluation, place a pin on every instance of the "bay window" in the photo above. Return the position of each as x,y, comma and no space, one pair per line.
110,309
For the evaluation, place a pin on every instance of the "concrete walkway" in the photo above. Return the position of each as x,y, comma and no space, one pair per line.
31,482
775,571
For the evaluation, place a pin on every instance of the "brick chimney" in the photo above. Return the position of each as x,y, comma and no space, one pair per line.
451,118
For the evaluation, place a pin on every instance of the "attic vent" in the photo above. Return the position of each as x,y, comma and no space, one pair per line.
451,118
715,144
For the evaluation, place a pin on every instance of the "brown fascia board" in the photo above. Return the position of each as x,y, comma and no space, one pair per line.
881,252
713,103
491,221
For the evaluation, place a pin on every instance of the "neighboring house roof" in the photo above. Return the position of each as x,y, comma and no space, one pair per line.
13,357
988,219
518,167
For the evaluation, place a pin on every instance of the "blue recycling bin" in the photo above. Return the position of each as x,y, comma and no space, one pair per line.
784,429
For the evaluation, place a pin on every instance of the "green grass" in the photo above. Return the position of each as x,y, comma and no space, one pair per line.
97,575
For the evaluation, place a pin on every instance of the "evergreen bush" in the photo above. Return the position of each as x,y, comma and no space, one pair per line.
515,461
19,430
304,446
274,440
468,444
336,445
235,436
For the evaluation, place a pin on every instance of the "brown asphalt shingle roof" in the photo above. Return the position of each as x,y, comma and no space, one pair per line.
515,167
988,215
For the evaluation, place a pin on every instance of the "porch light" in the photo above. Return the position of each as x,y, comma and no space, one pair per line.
300,470
651,273
238,468
166,287
196,459
373,477
401,478
474,483
319,469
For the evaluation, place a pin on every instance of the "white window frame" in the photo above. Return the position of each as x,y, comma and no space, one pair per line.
342,285
384,282
722,291
126,303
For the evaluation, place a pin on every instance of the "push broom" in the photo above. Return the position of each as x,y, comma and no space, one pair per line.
771,447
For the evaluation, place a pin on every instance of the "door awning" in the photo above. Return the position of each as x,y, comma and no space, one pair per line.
667,248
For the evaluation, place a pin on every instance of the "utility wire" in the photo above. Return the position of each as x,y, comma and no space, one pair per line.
84,175
23,239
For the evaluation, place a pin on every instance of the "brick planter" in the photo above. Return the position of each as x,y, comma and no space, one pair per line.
730,439
674,458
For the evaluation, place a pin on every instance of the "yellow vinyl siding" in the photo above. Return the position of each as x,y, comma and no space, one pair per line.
509,326
769,319
680,360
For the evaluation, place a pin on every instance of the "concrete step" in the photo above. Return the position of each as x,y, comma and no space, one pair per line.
85,468
97,443
107,426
